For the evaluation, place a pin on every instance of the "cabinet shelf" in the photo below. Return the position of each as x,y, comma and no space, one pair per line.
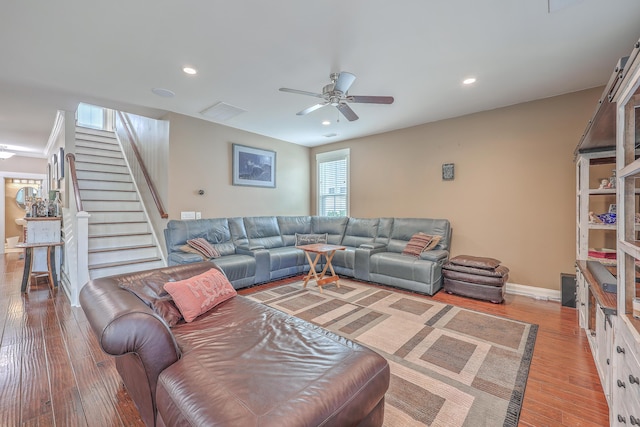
606,191
602,191
602,226
592,226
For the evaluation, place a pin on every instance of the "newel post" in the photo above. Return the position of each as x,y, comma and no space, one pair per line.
83,252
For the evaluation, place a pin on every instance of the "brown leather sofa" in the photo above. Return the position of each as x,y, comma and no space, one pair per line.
240,364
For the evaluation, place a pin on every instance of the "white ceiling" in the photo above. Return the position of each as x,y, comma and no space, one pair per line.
54,54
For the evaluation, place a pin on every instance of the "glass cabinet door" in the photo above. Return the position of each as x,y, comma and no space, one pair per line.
628,199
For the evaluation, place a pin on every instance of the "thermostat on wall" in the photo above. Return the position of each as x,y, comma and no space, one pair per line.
447,172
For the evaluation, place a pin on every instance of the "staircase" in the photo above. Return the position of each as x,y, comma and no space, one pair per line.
120,238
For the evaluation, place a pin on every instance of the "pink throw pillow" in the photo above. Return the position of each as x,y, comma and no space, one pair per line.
199,294
420,242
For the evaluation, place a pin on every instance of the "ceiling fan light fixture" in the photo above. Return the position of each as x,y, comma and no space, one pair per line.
336,94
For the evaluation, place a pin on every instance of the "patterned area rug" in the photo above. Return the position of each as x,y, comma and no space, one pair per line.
449,366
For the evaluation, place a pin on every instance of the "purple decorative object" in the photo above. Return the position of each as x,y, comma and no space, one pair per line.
607,218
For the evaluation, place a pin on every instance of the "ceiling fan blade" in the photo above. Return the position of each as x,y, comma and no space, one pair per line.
310,109
301,92
371,99
347,112
344,82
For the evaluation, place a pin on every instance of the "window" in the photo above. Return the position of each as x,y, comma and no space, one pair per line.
95,117
333,183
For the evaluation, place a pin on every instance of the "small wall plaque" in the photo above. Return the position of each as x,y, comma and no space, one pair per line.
447,172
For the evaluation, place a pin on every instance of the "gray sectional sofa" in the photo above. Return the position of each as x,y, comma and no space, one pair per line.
261,249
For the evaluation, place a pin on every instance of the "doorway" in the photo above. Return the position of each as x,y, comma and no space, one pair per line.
10,184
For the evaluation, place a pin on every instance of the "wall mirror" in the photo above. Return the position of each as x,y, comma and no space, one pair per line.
23,193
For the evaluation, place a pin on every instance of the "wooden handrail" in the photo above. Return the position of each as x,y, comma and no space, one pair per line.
152,188
71,158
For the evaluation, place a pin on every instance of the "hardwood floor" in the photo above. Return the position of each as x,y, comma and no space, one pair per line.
52,371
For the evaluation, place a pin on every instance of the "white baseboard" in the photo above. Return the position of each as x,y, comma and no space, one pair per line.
534,292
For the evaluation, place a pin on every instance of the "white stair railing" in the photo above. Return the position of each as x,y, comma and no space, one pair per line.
76,232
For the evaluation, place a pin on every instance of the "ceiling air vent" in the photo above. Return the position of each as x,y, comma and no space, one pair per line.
221,112
556,5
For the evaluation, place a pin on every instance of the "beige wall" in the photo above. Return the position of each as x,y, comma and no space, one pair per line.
200,153
18,164
16,167
12,210
513,197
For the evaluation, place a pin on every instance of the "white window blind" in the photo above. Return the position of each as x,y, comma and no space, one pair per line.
333,183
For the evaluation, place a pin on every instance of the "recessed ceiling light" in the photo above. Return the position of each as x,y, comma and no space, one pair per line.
326,122
470,80
165,93
190,70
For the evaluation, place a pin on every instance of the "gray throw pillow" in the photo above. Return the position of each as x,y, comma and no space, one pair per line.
309,239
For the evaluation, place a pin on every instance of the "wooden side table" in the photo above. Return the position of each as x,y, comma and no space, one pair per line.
28,263
321,249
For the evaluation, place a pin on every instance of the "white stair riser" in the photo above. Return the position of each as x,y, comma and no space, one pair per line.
105,185
122,269
97,141
105,176
87,195
116,216
111,205
95,152
119,241
97,167
121,255
98,147
100,159
93,133
118,228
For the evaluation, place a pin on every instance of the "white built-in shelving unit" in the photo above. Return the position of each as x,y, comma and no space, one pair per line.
607,318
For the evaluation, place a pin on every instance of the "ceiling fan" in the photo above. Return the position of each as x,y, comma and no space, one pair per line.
336,94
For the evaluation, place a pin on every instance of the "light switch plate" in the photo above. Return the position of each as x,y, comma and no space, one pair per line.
188,215
198,215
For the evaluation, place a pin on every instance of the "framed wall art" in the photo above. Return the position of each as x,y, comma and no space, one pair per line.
54,172
253,166
61,163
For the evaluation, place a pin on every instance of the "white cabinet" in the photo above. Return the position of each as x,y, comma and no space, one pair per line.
597,311
604,342
582,299
626,377
43,230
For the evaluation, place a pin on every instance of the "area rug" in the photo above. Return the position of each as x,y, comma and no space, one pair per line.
449,366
